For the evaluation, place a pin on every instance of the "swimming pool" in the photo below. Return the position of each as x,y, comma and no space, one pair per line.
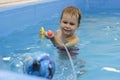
98,32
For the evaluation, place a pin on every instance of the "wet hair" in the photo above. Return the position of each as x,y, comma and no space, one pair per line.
73,11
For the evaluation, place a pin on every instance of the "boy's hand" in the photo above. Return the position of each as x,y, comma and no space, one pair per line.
49,34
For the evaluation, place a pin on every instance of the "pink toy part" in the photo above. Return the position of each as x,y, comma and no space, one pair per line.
49,33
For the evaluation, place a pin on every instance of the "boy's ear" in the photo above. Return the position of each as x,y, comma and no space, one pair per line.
60,21
78,25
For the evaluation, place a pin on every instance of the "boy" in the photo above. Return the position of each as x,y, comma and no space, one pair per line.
69,23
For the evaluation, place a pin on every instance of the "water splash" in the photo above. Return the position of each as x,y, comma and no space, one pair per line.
111,69
71,61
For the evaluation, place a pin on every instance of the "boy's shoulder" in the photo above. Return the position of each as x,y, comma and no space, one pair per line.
58,31
75,39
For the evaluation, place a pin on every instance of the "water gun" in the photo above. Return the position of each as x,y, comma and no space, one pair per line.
42,33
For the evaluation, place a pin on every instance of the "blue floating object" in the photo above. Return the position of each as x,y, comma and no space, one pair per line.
39,65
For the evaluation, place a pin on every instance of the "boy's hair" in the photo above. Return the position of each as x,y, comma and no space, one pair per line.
72,11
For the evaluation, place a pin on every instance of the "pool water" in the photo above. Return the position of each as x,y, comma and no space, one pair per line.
98,57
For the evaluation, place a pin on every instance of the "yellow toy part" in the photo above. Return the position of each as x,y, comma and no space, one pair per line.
42,32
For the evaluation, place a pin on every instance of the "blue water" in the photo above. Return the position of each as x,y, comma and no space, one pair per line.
99,45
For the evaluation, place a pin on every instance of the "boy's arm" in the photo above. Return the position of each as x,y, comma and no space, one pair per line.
72,42
56,39
56,42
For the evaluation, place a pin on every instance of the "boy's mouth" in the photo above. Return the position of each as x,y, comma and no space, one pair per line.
67,30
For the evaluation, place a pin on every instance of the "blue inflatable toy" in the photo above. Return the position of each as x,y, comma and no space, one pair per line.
39,65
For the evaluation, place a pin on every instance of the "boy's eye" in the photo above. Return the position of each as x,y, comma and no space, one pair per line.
72,24
65,22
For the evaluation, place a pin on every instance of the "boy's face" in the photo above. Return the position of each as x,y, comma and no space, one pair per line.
68,24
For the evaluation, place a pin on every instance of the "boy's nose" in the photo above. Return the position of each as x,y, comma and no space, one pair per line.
67,25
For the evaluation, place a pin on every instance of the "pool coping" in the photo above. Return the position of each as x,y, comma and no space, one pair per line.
18,2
